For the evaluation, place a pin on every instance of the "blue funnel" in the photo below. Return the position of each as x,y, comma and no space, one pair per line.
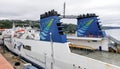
88,26
50,23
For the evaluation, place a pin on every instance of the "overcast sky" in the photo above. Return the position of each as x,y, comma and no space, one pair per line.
108,10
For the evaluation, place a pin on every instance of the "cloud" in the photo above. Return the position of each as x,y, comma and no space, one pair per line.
31,9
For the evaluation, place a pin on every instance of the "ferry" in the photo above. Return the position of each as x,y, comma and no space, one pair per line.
48,49
92,35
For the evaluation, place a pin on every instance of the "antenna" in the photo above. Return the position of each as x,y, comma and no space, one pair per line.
64,7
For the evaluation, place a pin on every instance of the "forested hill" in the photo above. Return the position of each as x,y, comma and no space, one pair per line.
8,23
68,28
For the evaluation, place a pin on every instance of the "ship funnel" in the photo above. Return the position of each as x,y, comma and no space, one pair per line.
50,23
89,26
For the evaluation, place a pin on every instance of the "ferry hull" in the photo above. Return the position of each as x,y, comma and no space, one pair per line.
40,54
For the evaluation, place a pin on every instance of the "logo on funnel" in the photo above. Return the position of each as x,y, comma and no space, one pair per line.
45,31
83,29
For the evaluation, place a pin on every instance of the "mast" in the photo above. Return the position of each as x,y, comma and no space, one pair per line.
13,25
64,7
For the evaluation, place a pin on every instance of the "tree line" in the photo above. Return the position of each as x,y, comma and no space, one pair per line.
68,28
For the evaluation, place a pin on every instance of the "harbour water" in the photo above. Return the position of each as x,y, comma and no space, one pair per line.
112,58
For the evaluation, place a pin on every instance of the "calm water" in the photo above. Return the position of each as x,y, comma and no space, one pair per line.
112,58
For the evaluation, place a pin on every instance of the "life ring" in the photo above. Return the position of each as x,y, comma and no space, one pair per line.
21,30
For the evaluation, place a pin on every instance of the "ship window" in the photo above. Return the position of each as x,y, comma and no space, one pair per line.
27,47
94,40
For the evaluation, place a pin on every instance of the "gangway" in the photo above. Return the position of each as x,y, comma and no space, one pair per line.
113,39
113,35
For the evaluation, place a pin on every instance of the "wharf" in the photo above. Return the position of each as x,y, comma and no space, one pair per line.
81,47
13,60
4,64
